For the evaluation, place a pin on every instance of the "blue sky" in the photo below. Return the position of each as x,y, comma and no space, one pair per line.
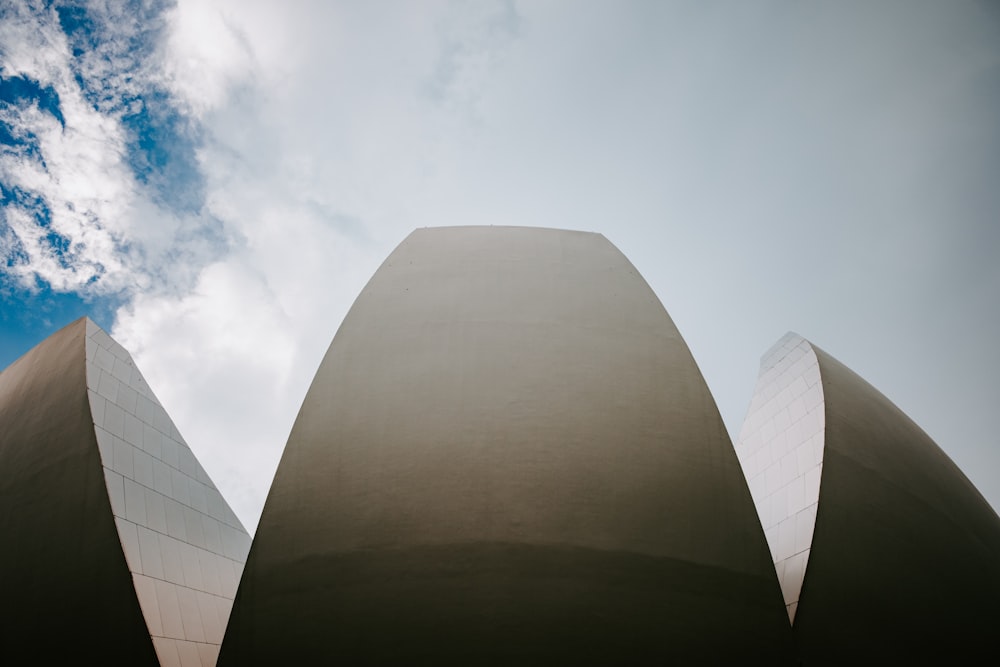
213,181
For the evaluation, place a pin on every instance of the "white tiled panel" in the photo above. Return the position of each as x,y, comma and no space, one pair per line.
780,448
183,544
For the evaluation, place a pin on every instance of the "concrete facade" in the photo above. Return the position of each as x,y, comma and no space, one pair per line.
125,552
508,455
885,550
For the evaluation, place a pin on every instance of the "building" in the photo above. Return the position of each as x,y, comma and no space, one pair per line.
508,455
118,549
885,551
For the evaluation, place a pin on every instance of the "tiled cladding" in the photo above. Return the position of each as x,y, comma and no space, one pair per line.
780,448
184,546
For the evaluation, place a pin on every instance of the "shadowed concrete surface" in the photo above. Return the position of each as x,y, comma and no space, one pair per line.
508,455
67,595
885,551
905,564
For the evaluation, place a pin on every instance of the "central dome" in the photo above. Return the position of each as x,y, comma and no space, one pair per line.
508,454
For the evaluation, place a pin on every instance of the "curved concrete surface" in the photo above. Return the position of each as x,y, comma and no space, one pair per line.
508,454
118,549
904,556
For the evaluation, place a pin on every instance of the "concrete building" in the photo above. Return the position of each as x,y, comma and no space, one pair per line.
117,547
508,455
885,551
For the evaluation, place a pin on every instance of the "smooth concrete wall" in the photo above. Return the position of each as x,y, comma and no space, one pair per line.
905,559
508,455
886,552
66,595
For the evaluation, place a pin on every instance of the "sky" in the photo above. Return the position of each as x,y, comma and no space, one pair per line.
214,181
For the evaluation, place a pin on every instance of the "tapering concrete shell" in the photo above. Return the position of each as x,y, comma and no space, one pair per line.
508,455
117,547
886,552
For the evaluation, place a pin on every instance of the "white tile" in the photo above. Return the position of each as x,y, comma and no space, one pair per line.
166,652
127,398
116,491
156,513
152,441
149,550
796,495
138,383
210,579
186,462
170,556
121,370
223,609
175,519
104,359
106,445
209,654
194,629
119,351
93,376
197,496
805,523
144,409
161,420
123,457
194,528
168,452
162,478
212,533
812,482
145,590
779,506
107,386
142,468
214,504
132,430
114,420
129,536
181,489
789,468
233,543
804,455
97,403
228,578
210,618
188,652
786,538
135,502
170,611
191,565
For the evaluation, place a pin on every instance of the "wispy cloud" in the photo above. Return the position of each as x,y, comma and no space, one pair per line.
102,186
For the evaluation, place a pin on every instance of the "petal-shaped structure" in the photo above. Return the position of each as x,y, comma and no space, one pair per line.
118,549
508,455
885,550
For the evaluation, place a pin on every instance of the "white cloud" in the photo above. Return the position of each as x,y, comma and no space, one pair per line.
762,175
78,172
